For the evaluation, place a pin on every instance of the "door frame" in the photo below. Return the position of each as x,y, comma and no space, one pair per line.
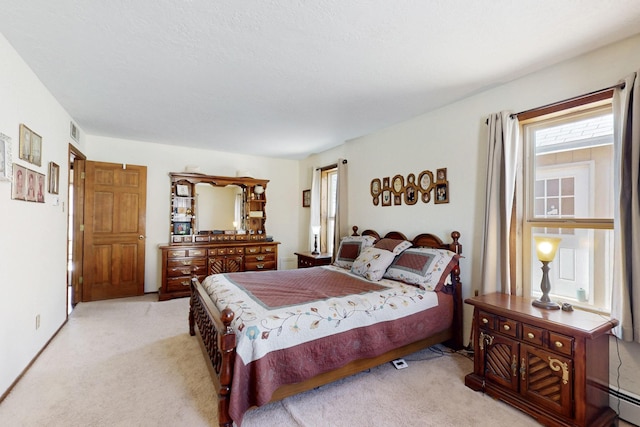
76,221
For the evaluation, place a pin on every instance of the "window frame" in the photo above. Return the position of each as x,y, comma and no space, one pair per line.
568,111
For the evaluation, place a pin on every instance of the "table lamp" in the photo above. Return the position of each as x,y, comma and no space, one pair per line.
546,248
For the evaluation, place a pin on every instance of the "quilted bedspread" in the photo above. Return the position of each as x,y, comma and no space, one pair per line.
294,324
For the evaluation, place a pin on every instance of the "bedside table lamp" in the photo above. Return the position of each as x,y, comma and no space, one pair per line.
316,230
546,248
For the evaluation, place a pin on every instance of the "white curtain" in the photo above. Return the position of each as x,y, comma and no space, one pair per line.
341,225
626,228
502,213
314,218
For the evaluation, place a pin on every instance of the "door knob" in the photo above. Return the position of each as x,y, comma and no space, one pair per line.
141,237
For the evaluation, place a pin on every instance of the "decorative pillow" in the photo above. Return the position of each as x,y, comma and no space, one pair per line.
426,268
396,246
372,263
350,248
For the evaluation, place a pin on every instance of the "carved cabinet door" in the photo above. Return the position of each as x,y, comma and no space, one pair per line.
499,362
547,379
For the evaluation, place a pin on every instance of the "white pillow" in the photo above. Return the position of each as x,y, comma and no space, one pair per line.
372,263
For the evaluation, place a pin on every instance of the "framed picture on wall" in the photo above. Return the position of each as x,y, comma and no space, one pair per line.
54,178
442,193
5,158
306,198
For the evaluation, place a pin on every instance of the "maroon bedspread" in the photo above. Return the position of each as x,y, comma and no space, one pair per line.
255,382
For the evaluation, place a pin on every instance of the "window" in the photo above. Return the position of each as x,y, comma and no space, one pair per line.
568,175
328,193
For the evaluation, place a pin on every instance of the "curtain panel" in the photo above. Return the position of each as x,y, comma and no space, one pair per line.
626,221
502,213
341,224
314,214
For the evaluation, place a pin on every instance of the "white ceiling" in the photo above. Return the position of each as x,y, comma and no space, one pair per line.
287,78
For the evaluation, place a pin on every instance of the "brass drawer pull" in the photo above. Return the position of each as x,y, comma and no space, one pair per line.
485,320
530,335
186,262
260,258
507,327
259,266
558,344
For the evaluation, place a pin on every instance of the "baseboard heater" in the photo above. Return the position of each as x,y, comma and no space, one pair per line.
626,404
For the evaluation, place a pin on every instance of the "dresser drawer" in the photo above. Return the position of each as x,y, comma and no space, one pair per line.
261,257
561,343
487,320
259,265
181,253
186,262
532,335
268,249
508,326
187,270
177,284
226,251
252,250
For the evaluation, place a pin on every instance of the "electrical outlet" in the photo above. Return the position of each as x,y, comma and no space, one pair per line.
37,321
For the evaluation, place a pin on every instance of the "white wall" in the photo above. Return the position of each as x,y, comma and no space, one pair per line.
453,137
33,238
282,190
32,253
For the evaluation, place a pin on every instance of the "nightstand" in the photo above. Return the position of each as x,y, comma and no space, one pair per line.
307,259
551,364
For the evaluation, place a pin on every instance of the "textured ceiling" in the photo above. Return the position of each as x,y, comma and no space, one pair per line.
285,78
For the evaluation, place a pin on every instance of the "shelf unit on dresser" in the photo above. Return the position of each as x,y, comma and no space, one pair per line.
196,252
551,364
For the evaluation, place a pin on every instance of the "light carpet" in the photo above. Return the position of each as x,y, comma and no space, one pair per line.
131,362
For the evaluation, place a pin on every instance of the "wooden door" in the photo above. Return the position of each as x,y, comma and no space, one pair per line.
114,231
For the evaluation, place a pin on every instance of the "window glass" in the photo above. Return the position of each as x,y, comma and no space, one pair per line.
569,182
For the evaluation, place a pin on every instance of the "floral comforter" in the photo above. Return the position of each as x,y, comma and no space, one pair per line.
294,324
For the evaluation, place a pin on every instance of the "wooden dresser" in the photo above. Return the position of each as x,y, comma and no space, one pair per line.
179,263
551,364
217,224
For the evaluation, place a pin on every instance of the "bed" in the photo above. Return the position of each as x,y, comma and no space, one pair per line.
270,335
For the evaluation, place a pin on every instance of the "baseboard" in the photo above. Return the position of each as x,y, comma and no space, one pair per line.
626,404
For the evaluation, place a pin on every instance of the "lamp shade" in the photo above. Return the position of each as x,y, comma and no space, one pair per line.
546,247
258,189
315,229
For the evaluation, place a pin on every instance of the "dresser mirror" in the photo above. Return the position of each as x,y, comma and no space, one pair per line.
207,208
219,208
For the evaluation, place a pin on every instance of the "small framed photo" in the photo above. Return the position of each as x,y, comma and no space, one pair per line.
398,185
30,146
5,158
183,190
410,194
75,134
40,177
441,175
306,198
18,188
182,228
386,197
54,178
442,193
375,187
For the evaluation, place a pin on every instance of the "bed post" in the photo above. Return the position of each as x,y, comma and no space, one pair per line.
456,342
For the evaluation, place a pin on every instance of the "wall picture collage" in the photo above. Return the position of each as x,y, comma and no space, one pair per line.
27,184
393,191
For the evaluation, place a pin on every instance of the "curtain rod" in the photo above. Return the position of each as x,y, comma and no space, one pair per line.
335,165
575,98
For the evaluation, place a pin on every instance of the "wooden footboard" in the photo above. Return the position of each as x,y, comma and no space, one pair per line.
218,339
